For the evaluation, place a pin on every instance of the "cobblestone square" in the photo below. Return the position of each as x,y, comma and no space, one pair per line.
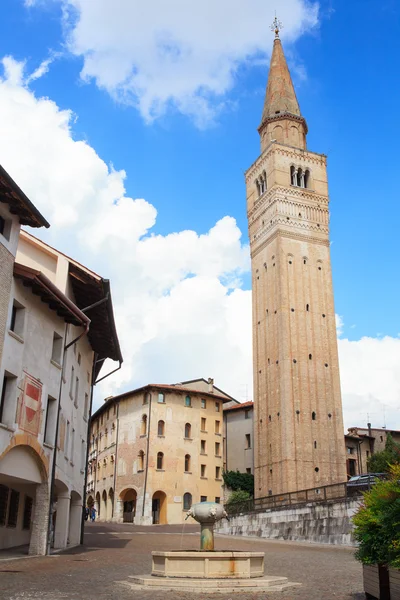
113,552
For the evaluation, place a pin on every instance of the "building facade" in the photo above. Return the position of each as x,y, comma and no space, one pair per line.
361,443
155,451
239,437
52,356
297,399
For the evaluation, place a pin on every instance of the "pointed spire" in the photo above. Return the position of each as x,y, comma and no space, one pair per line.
280,96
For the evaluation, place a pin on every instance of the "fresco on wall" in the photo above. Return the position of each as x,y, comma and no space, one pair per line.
30,403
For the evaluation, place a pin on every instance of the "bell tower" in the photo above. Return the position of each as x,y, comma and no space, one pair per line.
299,441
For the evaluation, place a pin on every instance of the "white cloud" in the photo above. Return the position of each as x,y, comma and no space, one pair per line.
179,308
180,53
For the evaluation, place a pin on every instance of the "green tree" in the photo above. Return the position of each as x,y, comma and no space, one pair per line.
377,523
380,462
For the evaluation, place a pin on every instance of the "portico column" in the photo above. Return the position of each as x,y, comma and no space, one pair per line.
75,520
119,511
62,520
40,522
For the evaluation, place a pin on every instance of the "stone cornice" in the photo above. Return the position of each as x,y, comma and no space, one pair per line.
287,234
294,194
281,117
286,150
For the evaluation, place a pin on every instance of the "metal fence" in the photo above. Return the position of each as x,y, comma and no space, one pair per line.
337,491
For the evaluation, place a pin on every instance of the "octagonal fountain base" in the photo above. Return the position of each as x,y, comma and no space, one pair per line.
208,565
227,572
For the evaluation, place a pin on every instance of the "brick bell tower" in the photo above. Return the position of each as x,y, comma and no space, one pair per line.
298,409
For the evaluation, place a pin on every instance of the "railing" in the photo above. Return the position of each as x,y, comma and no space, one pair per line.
337,491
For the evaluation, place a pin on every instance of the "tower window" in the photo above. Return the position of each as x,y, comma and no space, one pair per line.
316,469
310,356
315,444
307,178
329,416
160,461
307,307
295,361
314,415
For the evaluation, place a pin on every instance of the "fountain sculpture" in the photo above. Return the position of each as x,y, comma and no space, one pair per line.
179,569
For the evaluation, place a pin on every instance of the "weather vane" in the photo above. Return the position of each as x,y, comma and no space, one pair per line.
276,26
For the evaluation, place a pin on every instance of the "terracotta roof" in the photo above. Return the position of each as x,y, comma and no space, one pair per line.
205,381
280,96
242,405
157,386
19,204
51,295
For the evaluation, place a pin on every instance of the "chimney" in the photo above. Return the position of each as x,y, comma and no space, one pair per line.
210,385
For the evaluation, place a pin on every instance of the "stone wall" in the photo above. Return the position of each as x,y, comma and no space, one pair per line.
324,523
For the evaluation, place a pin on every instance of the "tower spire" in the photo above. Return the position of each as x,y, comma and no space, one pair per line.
280,102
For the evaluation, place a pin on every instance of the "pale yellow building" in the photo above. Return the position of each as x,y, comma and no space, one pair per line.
239,437
297,399
155,451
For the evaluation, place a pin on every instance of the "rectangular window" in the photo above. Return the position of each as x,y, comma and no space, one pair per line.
13,506
56,353
26,523
248,470
203,403
217,424
217,449
203,424
76,392
350,450
50,422
17,318
203,498
367,453
71,383
5,227
188,401
247,414
161,398
217,407
217,472
3,503
248,440
8,399
67,434
202,470
217,500
86,408
203,446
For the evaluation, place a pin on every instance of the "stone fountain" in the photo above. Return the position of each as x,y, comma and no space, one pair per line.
215,571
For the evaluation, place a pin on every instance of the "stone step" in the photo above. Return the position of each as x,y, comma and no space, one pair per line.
269,583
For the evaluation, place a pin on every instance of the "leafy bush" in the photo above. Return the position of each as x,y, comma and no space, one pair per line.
239,481
380,462
377,523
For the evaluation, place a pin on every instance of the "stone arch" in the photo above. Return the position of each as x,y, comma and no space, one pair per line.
25,457
128,501
104,505
277,133
110,504
294,135
90,501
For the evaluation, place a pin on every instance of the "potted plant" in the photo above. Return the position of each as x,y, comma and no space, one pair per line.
377,531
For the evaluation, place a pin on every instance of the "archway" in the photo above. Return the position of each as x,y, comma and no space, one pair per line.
159,508
90,501
129,499
24,492
110,504
98,504
104,505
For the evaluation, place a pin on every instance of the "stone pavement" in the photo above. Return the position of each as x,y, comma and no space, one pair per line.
112,552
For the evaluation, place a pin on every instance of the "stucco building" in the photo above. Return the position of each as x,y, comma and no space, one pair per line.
52,355
239,437
297,399
155,451
362,442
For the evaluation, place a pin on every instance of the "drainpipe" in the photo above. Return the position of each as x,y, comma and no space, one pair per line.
147,457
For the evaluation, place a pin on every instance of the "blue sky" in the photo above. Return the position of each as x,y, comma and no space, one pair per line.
344,67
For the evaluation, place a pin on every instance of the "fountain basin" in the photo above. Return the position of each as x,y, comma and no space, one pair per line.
208,565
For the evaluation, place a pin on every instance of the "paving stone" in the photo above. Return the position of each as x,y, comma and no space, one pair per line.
113,552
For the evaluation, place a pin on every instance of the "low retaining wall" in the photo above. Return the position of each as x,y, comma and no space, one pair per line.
323,522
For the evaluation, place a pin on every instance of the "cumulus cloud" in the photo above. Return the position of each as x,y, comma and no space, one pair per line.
180,309
181,54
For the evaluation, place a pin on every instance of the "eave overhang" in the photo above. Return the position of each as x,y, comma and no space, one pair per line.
19,204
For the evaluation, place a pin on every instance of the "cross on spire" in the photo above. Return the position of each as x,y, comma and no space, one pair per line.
276,26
